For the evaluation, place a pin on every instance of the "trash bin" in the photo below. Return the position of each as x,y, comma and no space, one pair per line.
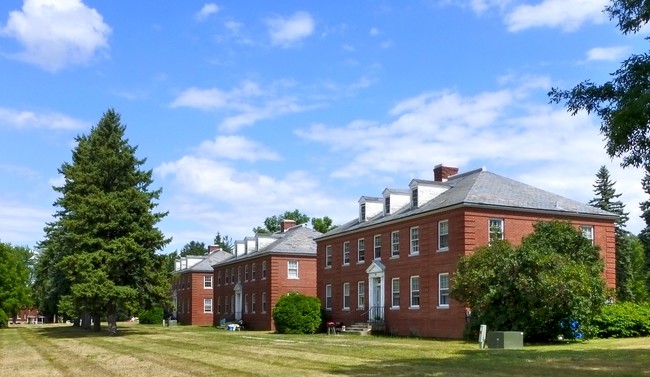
505,339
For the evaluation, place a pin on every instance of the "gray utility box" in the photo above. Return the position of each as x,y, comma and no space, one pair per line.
505,339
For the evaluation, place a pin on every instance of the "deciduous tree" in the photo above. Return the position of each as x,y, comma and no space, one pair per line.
14,278
273,224
322,224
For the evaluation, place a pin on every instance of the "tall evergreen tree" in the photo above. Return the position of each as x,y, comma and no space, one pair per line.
106,227
194,248
224,242
644,235
607,199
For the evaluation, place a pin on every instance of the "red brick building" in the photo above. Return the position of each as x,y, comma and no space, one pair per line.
264,267
393,265
192,287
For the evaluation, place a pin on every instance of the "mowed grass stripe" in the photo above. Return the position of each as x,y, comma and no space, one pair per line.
18,357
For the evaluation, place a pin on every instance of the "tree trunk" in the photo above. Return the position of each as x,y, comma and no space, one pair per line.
85,321
97,324
112,319
77,322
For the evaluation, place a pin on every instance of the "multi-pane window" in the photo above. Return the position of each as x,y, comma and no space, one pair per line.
263,302
207,305
264,270
414,198
361,294
443,290
253,273
443,235
394,244
232,275
225,301
588,232
346,252
346,295
292,269
415,240
246,304
415,291
362,212
239,274
328,256
253,302
207,281
361,250
219,277
219,304
387,205
328,296
395,292
246,273
496,229
378,246
227,277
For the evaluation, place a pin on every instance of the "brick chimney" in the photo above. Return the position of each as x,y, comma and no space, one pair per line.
286,224
442,173
213,249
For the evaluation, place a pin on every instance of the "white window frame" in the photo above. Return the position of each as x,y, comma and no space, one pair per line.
443,224
414,233
443,290
232,275
292,269
394,244
361,250
207,282
219,278
328,296
207,305
346,296
361,294
346,253
263,302
246,276
328,256
239,274
263,270
499,224
395,293
415,292
246,303
414,198
253,303
387,205
218,304
588,232
376,251
253,272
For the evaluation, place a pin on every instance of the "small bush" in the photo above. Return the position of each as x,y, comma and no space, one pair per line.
296,313
623,320
4,320
152,317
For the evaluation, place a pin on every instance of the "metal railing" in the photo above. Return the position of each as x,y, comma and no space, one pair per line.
374,314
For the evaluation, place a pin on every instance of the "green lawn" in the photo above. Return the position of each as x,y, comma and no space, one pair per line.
139,350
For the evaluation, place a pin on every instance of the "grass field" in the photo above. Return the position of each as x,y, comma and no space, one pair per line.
139,350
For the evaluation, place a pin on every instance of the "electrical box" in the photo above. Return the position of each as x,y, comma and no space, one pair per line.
505,339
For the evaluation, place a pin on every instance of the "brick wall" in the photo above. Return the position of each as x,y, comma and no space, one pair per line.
468,229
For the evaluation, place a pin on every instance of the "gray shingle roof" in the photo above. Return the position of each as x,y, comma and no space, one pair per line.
296,240
206,264
487,189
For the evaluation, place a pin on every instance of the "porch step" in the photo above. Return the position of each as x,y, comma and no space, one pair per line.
358,329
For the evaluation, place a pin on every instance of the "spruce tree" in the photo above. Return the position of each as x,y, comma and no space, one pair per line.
106,229
644,235
607,199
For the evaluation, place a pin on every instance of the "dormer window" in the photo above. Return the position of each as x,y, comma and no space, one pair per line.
362,212
387,205
414,198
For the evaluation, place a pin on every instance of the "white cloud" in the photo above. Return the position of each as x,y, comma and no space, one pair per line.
568,15
57,33
207,10
248,101
374,31
21,224
286,32
236,148
31,120
607,53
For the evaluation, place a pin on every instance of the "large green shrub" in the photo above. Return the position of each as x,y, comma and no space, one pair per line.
4,320
152,317
623,320
296,313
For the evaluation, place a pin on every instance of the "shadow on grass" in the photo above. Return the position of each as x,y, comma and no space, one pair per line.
558,362
76,332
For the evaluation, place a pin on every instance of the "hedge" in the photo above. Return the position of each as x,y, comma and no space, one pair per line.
623,320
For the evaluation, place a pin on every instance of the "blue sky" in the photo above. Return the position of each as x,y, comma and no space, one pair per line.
245,109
